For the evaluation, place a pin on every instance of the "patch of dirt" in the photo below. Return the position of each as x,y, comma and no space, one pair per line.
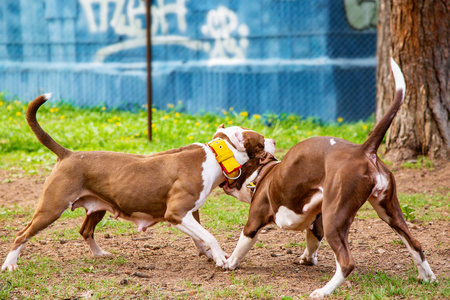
165,260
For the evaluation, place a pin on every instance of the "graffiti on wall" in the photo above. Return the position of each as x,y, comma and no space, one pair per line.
361,14
225,38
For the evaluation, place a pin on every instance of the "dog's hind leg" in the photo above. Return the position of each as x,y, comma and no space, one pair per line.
388,209
43,217
342,199
313,238
87,232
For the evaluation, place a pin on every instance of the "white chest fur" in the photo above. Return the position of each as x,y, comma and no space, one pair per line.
286,218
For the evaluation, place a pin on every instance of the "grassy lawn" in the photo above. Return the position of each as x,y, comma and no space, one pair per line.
103,128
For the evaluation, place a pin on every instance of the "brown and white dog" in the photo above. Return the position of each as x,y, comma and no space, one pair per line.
145,189
319,186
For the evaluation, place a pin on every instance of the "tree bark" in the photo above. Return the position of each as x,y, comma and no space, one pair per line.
416,33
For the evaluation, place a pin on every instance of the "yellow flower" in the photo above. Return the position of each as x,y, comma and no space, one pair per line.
127,139
138,134
145,131
309,132
10,118
365,127
114,118
18,113
231,108
118,123
291,117
103,125
244,114
170,105
153,109
165,117
52,110
197,124
230,122
190,137
110,120
103,108
132,136
153,125
9,107
340,120
177,114
295,126
1,103
175,121
62,117
257,117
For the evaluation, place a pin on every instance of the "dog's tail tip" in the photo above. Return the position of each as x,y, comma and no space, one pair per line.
399,79
47,96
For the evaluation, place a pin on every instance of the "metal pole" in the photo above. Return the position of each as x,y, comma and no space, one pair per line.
149,66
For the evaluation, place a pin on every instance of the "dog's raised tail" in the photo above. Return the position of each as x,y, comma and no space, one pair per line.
371,145
43,136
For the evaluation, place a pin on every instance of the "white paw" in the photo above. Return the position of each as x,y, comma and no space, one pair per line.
232,263
221,259
12,267
308,261
102,254
317,294
428,278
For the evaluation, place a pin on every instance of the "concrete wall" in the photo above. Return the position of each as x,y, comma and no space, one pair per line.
313,58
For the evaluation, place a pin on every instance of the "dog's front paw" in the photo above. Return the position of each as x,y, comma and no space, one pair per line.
221,259
308,261
102,253
232,263
318,294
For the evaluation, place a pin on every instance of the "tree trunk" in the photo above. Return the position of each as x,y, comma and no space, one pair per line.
416,33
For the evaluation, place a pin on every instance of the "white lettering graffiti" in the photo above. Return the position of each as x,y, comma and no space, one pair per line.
128,19
219,25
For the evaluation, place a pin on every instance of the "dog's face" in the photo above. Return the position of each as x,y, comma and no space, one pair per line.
246,140
243,188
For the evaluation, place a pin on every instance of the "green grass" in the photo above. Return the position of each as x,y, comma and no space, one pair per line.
106,129
124,131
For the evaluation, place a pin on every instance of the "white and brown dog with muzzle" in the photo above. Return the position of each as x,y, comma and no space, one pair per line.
145,189
319,186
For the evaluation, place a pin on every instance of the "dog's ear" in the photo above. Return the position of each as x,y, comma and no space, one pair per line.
266,158
221,126
239,141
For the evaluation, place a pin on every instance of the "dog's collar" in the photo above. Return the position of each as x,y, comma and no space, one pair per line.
262,172
231,169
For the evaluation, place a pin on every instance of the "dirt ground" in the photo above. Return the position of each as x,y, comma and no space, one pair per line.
169,258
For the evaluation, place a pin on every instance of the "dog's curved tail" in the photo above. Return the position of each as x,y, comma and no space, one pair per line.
371,145
43,136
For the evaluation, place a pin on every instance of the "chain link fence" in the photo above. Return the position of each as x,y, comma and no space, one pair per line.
311,58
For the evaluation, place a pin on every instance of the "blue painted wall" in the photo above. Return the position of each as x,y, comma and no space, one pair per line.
312,58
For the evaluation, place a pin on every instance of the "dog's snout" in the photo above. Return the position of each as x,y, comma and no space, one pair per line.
269,145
